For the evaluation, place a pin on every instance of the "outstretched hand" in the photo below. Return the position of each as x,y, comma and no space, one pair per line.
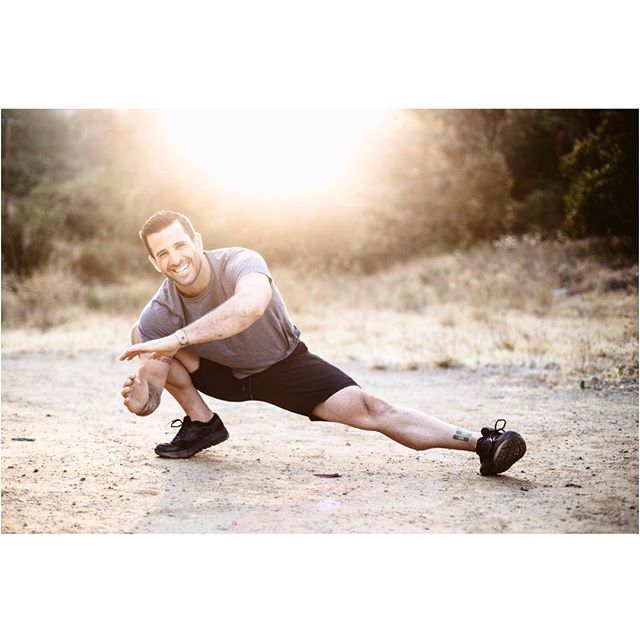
167,346
135,391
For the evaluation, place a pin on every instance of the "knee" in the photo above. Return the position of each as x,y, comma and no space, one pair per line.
190,361
376,410
178,377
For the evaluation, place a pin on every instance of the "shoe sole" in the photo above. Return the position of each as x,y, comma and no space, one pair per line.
506,455
212,440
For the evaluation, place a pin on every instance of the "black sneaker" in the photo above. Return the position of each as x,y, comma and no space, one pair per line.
193,437
499,449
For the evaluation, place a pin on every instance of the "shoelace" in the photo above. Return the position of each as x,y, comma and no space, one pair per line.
496,431
175,424
500,429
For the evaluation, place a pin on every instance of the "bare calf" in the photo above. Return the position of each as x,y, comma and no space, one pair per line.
356,408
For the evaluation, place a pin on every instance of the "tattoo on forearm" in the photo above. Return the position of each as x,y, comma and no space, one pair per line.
165,359
463,435
152,403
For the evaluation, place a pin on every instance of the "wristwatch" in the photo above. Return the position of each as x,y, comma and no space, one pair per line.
181,334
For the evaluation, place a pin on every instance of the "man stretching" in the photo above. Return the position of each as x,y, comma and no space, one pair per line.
219,326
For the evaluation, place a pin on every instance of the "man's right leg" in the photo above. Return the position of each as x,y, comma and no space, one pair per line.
180,386
200,428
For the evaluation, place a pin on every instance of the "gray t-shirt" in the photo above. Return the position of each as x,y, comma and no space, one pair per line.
267,341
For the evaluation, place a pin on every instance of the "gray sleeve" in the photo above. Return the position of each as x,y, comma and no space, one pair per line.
246,261
157,321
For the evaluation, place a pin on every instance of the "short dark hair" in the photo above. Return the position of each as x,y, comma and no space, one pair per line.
161,220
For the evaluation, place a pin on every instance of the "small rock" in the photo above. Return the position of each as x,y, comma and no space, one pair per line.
82,479
524,489
35,471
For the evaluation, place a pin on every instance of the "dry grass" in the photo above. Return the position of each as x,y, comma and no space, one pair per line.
559,347
546,307
550,307
46,299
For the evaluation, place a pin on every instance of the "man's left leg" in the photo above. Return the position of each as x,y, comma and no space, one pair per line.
354,407
497,449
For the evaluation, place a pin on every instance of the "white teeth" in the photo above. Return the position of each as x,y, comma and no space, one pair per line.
183,268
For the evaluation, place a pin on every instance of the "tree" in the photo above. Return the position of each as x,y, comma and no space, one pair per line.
533,142
35,156
602,168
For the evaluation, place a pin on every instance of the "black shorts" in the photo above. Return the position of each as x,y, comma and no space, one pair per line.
298,383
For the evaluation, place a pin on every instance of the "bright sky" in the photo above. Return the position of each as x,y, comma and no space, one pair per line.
273,154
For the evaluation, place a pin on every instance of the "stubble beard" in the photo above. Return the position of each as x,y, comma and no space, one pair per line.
196,263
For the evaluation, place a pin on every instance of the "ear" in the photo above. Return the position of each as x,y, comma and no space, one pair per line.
198,242
155,264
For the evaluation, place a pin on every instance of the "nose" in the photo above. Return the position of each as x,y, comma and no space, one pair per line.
174,256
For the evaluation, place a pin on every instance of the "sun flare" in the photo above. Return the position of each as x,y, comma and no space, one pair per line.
273,154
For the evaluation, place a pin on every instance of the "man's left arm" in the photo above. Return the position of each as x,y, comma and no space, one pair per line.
249,301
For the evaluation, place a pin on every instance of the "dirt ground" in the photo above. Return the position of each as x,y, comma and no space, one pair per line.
90,465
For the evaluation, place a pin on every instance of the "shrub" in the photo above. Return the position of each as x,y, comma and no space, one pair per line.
42,300
603,171
542,209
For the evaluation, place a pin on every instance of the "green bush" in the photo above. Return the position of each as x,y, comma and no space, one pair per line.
602,198
542,209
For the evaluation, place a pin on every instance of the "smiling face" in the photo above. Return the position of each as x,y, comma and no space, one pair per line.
179,258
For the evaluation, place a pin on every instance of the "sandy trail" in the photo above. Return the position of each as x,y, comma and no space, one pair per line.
91,466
